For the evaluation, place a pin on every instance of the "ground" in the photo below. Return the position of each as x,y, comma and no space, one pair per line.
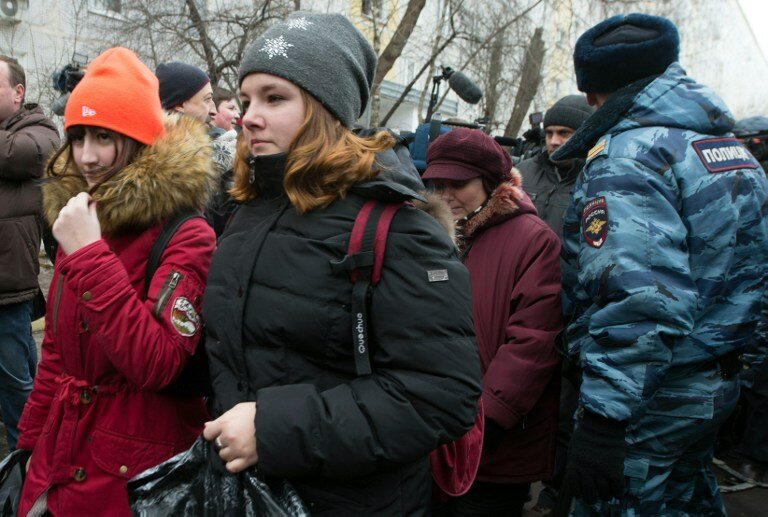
746,503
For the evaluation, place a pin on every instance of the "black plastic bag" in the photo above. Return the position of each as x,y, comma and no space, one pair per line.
190,483
12,471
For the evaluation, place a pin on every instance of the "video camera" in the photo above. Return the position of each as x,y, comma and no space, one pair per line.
753,133
530,144
65,80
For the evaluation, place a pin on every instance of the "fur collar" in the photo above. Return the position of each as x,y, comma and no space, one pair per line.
502,204
174,174
439,210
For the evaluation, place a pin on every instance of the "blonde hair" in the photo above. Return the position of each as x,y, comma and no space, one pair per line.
324,161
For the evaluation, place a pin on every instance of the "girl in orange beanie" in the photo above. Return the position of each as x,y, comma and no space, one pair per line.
104,407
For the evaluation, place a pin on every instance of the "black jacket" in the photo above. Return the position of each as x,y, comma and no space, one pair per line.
549,187
280,333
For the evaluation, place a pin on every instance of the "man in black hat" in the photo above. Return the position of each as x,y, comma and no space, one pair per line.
186,89
664,266
548,183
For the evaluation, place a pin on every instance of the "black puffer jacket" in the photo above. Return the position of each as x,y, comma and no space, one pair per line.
280,333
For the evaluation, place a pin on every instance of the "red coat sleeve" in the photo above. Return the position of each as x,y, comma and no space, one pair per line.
148,341
40,400
525,363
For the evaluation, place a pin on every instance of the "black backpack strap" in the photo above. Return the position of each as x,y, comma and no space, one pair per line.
158,248
194,380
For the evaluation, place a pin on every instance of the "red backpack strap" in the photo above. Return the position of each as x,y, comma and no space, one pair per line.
363,262
380,239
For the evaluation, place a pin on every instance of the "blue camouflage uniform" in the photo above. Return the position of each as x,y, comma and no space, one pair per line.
664,265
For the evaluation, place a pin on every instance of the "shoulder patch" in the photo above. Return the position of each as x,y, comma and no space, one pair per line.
723,154
600,148
594,222
184,318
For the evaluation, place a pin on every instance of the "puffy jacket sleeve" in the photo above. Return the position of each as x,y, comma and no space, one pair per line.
639,284
526,361
23,152
40,400
426,374
148,341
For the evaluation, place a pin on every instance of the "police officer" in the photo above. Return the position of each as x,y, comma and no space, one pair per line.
664,260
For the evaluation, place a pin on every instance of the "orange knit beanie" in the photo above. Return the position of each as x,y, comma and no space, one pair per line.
119,93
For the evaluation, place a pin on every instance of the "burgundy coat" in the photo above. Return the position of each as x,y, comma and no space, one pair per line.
514,262
97,415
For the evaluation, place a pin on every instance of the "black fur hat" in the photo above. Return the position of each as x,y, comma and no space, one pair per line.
622,49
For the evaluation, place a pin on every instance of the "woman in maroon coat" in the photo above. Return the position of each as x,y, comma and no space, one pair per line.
98,413
514,263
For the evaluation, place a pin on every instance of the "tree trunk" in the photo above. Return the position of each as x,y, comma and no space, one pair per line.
399,39
392,51
530,77
494,75
199,25
485,43
409,86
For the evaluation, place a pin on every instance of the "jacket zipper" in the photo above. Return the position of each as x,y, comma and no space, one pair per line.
56,299
173,279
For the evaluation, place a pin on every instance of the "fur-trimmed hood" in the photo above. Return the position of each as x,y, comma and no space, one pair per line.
174,174
439,210
507,200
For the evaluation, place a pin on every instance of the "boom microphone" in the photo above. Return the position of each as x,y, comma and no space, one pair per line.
463,86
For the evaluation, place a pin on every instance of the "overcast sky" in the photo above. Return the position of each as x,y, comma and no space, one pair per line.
756,12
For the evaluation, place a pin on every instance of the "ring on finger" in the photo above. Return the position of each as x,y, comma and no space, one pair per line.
218,443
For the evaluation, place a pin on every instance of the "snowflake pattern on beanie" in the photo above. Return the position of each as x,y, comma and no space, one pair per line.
299,23
276,47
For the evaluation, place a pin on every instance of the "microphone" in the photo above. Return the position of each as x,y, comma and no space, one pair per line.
463,86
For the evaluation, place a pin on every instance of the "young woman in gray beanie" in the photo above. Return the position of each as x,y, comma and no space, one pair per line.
287,395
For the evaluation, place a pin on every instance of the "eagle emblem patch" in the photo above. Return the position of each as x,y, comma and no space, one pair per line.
184,318
594,222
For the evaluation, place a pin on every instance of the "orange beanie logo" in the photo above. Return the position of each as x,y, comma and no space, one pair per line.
88,112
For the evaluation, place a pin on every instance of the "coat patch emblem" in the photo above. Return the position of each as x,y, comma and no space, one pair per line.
723,154
184,318
594,222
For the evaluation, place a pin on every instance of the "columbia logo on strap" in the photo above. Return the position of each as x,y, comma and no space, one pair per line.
88,112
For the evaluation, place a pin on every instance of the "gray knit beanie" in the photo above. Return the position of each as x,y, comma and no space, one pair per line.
570,111
322,53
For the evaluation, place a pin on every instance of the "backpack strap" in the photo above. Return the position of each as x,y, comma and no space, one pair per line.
363,262
158,248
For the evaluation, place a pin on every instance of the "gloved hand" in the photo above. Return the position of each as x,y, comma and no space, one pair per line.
492,436
595,468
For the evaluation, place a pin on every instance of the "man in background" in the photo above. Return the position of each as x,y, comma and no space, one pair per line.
27,139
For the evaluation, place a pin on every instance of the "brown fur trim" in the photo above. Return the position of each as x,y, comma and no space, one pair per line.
439,210
174,174
503,202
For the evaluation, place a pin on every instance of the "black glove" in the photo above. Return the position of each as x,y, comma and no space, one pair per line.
492,435
596,459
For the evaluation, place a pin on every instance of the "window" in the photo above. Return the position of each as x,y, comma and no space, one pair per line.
409,69
378,7
106,6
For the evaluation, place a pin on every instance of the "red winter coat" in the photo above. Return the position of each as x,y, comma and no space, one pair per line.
514,263
95,417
